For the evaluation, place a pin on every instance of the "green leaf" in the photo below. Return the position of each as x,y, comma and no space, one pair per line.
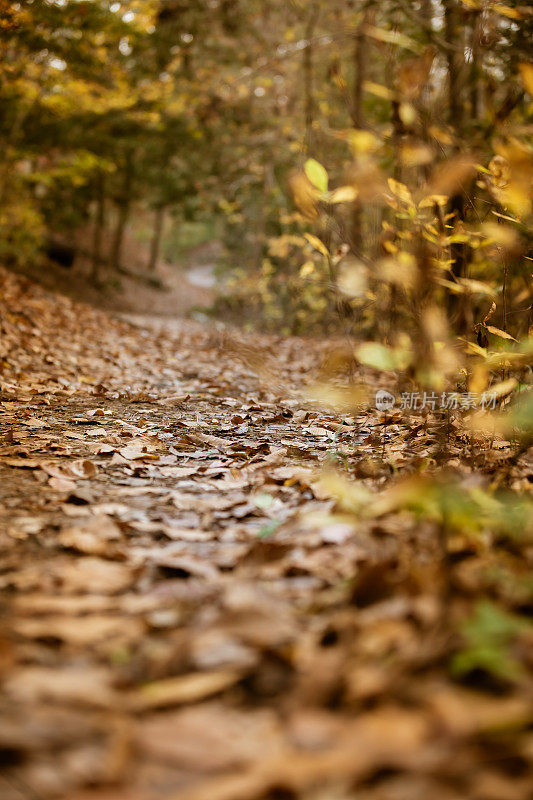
316,174
489,635
267,530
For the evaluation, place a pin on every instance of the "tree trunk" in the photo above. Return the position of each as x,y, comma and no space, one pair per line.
155,244
458,251
99,220
123,202
308,69
426,11
359,60
230,16
476,65
452,32
115,255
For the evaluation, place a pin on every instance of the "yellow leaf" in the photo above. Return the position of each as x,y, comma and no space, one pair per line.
315,242
400,191
344,398
316,174
304,194
307,269
376,355
351,496
392,37
503,235
478,379
344,194
413,155
475,349
407,114
503,388
441,135
476,287
505,11
433,199
526,73
378,90
363,141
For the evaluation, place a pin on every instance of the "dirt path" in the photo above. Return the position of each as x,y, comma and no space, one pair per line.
180,615
179,289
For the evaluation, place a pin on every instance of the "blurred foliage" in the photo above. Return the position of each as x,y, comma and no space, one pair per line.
490,635
374,127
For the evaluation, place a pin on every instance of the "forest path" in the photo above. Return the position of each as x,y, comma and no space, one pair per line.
152,552
172,291
180,615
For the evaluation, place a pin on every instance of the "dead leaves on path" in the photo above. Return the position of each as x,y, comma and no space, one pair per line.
191,613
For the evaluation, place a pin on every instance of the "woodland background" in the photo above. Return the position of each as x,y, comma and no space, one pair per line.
189,121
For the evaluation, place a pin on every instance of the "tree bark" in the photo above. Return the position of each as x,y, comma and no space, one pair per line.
458,251
155,244
99,220
452,32
230,16
476,66
359,60
426,11
308,70
123,202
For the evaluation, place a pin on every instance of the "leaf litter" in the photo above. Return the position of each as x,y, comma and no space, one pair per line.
195,608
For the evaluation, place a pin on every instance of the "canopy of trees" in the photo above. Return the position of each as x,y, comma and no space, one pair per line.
420,112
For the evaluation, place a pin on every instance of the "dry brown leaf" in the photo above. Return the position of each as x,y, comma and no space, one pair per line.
183,689
95,575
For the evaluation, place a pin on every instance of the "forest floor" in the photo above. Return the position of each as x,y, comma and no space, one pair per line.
187,615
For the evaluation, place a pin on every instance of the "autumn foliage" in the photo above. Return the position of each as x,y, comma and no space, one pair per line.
281,551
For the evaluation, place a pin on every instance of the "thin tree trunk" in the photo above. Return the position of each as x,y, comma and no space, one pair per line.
118,237
426,11
308,69
452,31
476,65
124,202
359,61
155,244
458,251
230,15
96,256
